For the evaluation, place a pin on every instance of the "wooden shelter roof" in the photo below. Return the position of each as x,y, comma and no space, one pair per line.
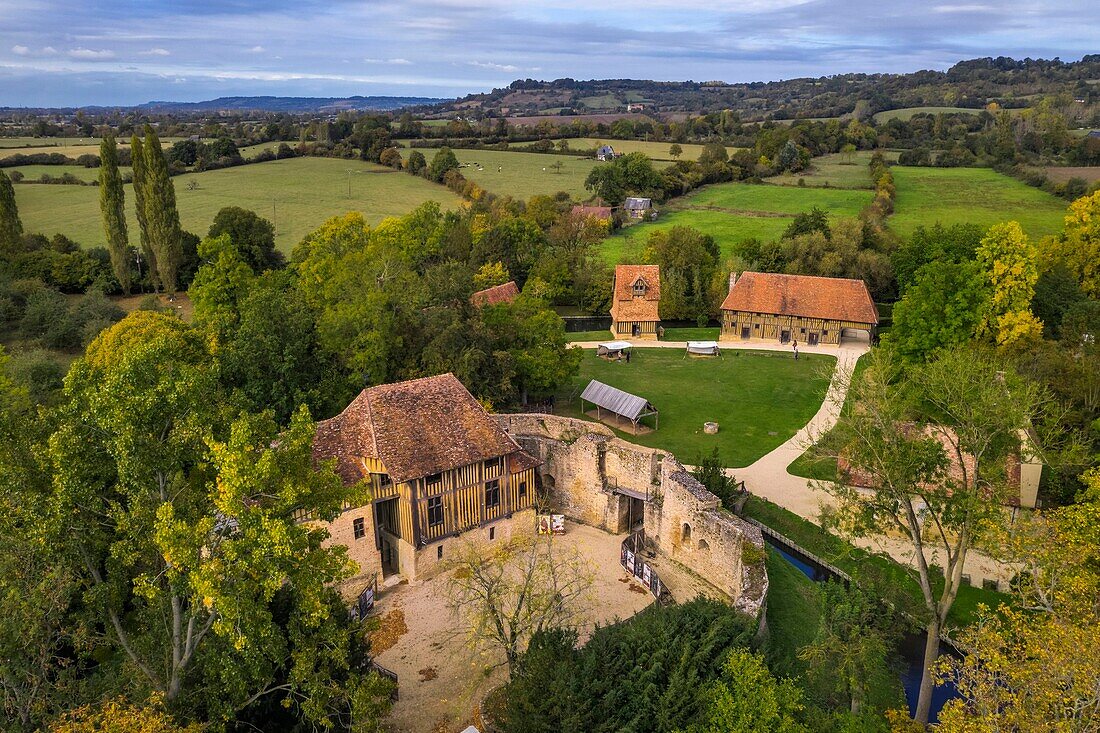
806,296
415,428
614,399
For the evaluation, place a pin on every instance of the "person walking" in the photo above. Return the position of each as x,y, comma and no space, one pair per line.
796,349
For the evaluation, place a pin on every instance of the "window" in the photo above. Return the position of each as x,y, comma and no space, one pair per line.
384,480
756,326
435,511
439,553
492,493
523,489
433,481
359,528
803,330
639,287
492,466
492,533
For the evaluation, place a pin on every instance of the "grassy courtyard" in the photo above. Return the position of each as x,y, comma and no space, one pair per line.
298,194
758,398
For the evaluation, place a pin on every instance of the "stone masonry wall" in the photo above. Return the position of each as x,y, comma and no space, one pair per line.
583,465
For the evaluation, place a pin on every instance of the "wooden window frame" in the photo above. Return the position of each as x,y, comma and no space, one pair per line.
433,508
492,489
359,527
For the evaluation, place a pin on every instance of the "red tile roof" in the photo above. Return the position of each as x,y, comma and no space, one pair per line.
496,295
625,306
415,428
600,212
831,298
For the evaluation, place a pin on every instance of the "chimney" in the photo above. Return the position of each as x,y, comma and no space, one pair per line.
733,279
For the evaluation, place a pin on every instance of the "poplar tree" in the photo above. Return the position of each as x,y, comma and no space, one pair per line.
11,229
112,204
137,156
161,216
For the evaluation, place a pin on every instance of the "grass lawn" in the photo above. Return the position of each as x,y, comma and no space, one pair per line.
590,335
728,230
794,615
707,333
743,197
759,398
971,195
297,193
888,578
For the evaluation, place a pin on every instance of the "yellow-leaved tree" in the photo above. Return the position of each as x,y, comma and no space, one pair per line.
1010,263
1078,248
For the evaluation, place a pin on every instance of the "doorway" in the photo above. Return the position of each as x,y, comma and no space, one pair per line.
388,533
746,332
635,330
812,339
784,337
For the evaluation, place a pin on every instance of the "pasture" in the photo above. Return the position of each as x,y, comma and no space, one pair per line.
728,231
759,398
905,114
971,195
34,172
836,170
655,150
750,200
297,194
71,146
1061,174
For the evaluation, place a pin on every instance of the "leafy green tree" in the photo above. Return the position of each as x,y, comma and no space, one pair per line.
932,450
942,309
688,259
807,222
443,161
713,154
956,243
417,163
1078,248
710,472
490,274
748,699
220,284
182,521
630,175
1011,268
161,217
112,205
251,234
119,716
11,228
1056,293
137,161
675,151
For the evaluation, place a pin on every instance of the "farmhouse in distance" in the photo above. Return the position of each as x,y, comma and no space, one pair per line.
808,309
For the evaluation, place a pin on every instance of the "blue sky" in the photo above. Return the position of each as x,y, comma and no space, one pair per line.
79,52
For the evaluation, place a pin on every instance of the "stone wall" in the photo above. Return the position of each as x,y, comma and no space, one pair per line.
589,475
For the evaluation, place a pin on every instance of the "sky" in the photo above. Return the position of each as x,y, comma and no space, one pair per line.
122,52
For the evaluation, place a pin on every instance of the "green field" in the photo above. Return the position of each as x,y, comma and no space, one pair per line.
521,175
971,195
839,170
70,146
34,172
298,194
728,231
655,150
907,113
734,212
759,398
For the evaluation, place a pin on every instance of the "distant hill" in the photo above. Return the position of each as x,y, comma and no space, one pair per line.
291,104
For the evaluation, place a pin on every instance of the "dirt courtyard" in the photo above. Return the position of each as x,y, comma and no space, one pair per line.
443,680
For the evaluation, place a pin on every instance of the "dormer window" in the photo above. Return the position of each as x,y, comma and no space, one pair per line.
639,287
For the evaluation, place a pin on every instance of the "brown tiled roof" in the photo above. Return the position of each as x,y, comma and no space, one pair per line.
600,212
624,305
831,298
415,428
521,461
496,295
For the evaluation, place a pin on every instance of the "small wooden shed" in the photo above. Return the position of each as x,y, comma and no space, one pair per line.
622,404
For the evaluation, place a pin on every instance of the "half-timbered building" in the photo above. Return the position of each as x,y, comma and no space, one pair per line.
438,467
635,301
809,310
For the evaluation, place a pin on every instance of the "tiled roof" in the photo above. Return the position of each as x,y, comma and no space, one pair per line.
625,306
831,298
496,295
415,428
600,212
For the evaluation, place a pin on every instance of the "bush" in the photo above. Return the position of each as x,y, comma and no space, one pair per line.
39,371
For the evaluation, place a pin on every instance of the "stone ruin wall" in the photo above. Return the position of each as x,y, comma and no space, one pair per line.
582,465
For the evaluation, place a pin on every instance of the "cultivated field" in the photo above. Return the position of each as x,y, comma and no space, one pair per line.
971,195
759,398
1061,174
298,194
70,146
907,113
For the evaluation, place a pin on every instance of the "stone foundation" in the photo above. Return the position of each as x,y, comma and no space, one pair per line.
591,476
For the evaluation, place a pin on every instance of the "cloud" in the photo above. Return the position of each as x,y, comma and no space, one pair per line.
391,62
155,52
256,49
962,8
494,67
89,54
20,50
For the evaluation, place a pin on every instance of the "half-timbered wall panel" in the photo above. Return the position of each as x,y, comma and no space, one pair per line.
784,328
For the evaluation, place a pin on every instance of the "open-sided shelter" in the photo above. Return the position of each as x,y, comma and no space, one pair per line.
702,348
613,349
622,404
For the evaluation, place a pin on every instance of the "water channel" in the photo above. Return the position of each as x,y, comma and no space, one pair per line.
911,647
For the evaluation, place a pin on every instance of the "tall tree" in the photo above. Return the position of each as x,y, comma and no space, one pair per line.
1079,245
112,205
932,450
252,235
137,160
1011,268
941,309
11,228
161,216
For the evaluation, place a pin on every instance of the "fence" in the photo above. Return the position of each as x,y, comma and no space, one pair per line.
365,602
391,676
630,557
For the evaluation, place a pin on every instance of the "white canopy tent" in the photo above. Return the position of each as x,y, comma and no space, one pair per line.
702,348
613,349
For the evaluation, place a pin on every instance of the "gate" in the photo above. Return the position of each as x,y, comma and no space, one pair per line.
630,557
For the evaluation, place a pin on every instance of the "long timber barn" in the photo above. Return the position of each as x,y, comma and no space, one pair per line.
438,466
803,308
